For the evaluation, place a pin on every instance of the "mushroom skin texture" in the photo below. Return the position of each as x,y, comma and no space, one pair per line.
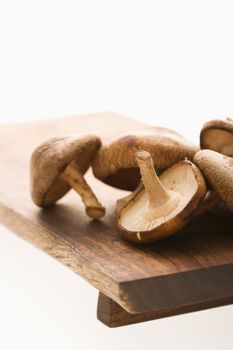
217,135
116,165
218,171
163,205
59,164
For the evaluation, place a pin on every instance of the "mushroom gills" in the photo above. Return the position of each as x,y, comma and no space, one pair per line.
181,185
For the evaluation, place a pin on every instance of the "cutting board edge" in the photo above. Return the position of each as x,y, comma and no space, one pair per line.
24,228
159,292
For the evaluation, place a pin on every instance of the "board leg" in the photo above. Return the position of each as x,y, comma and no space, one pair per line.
113,315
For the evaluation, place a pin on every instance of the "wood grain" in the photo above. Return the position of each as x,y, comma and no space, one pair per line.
193,267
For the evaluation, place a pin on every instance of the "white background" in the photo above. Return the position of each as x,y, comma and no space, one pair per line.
164,62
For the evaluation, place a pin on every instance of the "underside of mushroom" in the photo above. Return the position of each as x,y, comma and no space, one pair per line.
164,204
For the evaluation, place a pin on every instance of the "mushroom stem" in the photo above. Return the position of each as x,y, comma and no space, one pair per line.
157,194
76,180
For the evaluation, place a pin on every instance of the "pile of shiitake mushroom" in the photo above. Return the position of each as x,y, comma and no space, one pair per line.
170,179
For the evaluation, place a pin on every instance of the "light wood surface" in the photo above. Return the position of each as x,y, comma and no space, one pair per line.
193,267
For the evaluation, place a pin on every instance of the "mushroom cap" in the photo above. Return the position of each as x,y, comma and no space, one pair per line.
136,222
218,170
49,161
116,165
211,202
218,136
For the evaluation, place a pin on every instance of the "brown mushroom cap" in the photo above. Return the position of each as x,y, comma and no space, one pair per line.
218,136
116,165
138,222
218,170
211,202
49,161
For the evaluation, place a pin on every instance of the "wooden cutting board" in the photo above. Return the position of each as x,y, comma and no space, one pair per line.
189,271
